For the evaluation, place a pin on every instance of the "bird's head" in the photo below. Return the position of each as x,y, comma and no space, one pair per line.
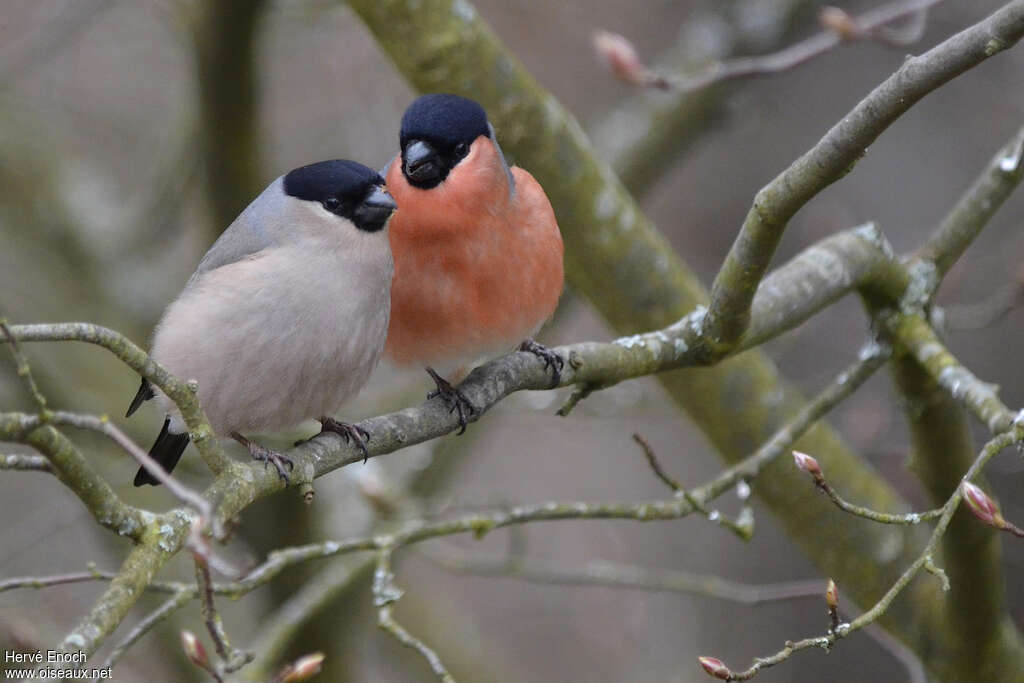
438,133
345,189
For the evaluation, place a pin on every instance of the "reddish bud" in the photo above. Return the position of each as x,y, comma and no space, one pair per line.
620,56
715,668
839,22
983,507
832,596
807,464
303,668
194,650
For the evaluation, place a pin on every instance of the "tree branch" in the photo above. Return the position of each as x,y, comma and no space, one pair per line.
912,334
942,449
74,471
841,27
834,155
974,209
137,359
644,134
923,561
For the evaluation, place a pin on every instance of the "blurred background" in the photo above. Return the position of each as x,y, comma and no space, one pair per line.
113,120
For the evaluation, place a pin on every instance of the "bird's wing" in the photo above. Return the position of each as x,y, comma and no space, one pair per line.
504,162
232,246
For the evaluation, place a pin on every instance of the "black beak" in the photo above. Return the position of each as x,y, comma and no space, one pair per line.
422,165
375,210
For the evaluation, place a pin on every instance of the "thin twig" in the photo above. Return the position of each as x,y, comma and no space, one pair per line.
104,426
923,561
75,472
744,524
618,575
134,357
169,607
24,369
385,594
233,659
808,464
841,28
652,460
582,392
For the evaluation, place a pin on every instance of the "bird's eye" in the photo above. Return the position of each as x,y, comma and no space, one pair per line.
461,149
332,203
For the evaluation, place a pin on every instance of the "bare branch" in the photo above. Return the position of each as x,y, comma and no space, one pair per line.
385,594
744,524
642,135
834,155
233,659
617,575
924,560
74,471
974,209
137,359
913,333
810,465
652,460
23,368
108,428
274,634
151,620
841,27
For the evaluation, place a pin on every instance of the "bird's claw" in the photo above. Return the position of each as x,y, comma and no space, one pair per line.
349,432
278,460
551,359
267,456
455,399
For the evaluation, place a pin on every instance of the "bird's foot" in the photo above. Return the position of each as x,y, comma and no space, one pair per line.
455,399
349,432
267,456
551,359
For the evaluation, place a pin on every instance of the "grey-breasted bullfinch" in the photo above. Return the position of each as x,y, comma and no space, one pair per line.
286,315
478,254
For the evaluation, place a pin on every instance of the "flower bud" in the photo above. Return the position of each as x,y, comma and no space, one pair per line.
838,21
983,507
715,668
807,464
304,668
618,54
194,650
832,596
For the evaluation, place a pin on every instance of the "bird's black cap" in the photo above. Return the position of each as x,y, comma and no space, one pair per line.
437,131
443,120
345,188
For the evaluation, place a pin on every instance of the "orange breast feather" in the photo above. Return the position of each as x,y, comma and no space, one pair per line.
475,270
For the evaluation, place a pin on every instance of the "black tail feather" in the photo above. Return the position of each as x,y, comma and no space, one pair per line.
166,450
144,393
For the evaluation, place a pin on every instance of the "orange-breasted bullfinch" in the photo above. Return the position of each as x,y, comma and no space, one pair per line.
286,315
478,254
